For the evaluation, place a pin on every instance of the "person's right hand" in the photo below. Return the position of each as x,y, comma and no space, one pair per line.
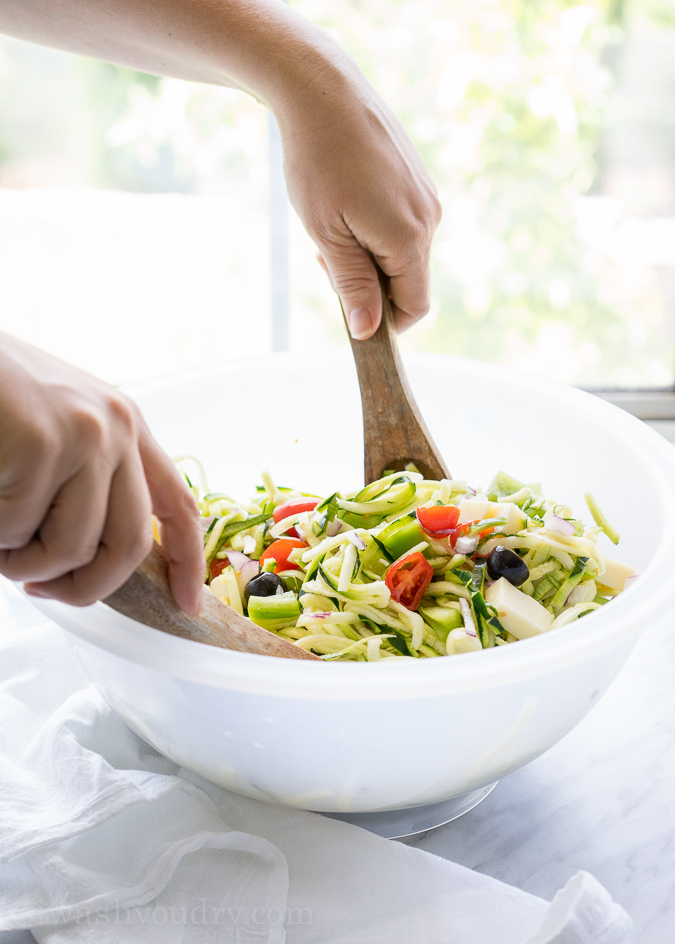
363,194
80,476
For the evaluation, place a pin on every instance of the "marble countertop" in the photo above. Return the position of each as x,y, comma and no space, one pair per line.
603,800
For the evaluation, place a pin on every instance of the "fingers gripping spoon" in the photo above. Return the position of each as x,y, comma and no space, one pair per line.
146,597
394,432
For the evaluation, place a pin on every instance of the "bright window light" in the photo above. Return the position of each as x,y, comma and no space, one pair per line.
136,212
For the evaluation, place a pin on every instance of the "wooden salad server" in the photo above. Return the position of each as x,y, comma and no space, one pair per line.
394,432
146,597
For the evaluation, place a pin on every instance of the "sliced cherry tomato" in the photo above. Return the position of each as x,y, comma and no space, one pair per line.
438,520
280,550
292,507
218,565
408,579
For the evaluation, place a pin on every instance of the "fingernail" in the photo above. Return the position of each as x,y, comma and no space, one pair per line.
34,592
196,608
360,323
201,605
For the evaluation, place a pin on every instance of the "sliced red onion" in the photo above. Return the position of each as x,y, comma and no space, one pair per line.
333,528
237,559
467,545
205,523
300,530
356,540
556,523
629,580
249,570
467,615
319,615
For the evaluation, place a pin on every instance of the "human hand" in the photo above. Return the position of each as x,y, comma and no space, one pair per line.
363,193
80,475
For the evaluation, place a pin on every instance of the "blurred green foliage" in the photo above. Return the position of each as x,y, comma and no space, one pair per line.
510,103
110,93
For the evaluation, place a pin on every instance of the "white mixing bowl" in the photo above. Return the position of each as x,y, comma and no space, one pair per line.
362,737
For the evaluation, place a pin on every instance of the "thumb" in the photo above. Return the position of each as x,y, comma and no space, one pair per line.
354,278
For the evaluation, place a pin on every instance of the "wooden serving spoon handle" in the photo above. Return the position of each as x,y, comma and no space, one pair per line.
394,432
146,597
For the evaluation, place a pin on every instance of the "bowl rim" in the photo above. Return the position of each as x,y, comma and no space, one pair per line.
194,662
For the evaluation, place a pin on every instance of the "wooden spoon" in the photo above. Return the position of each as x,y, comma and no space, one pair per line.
146,597
394,432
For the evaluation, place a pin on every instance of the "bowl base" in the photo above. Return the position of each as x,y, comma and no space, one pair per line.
396,824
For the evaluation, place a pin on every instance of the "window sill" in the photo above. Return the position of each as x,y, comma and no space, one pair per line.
657,408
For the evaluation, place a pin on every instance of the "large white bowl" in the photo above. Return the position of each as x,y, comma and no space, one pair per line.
360,737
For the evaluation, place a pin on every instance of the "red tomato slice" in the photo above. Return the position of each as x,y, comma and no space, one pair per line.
408,579
294,506
218,565
438,520
280,550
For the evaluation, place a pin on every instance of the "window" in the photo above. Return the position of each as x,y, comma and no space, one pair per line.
134,232
550,133
135,212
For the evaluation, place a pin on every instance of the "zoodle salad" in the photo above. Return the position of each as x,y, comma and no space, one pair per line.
406,567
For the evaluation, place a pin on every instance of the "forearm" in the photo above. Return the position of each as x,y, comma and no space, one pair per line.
353,175
260,46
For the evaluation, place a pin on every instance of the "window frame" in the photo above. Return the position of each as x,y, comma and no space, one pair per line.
654,407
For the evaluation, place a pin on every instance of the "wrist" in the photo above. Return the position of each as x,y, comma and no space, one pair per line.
292,66
326,89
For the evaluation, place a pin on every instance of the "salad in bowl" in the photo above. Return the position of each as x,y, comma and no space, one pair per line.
407,567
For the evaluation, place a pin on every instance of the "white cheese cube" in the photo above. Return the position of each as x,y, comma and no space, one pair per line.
474,509
615,575
520,615
516,519
218,588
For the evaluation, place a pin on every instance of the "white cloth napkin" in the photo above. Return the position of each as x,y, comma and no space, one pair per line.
104,841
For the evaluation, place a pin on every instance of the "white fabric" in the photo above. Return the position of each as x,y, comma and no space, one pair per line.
104,841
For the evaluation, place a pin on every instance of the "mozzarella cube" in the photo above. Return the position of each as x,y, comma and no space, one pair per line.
615,575
474,509
520,615
218,588
516,519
